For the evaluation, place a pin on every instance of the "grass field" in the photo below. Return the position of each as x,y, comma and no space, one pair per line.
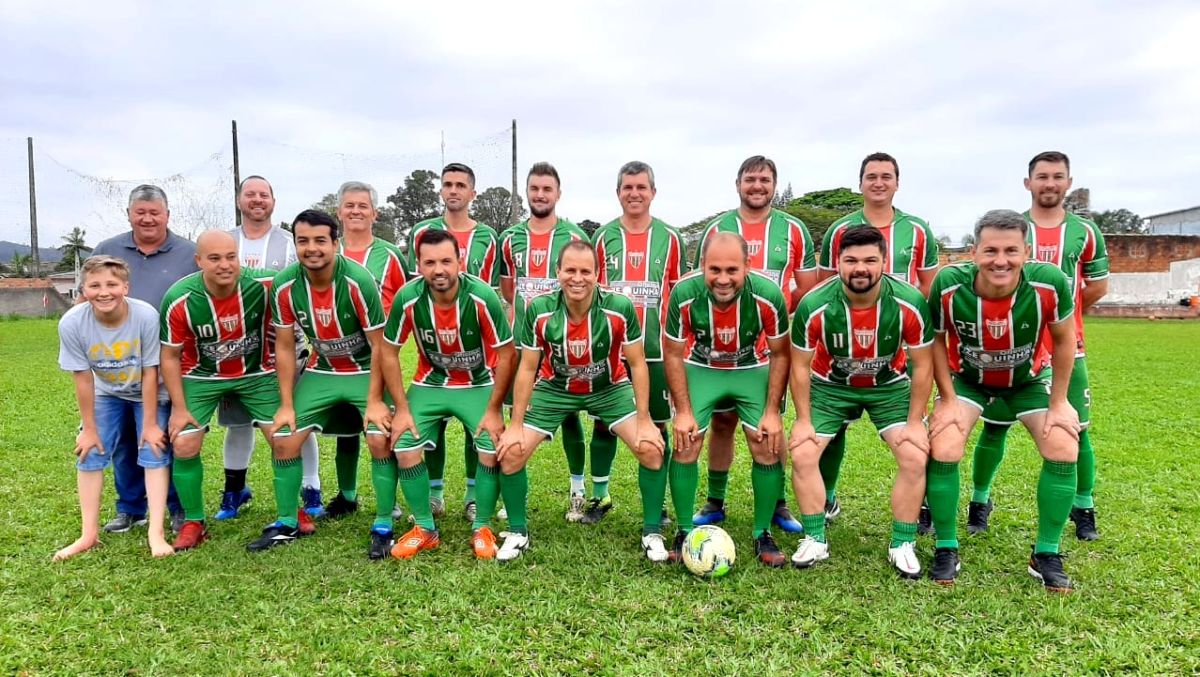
583,600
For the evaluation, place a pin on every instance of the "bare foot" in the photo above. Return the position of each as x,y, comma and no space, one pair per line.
161,548
81,545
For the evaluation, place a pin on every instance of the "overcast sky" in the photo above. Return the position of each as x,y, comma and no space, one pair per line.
962,93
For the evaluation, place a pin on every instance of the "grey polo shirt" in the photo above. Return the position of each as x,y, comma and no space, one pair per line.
150,275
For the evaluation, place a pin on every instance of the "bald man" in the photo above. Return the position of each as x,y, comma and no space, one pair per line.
217,343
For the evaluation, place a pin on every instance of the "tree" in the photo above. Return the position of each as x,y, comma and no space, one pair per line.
327,204
1079,201
20,264
589,226
387,223
968,240
74,246
818,219
1119,221
494,207
415,201
842,200
782,200
944,241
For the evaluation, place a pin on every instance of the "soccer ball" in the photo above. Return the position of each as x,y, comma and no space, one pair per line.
708,552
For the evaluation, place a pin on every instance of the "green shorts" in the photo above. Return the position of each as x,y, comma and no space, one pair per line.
430,405
1079,394
550,406
833,406
330,402
258,395
1020,401
740,390
660,407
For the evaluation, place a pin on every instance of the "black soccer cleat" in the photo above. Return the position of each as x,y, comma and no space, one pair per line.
832,510
768,551
925,521
276,533
381,544
977,517
945,566
596,509
1085,523
1047,567
675,554
340,506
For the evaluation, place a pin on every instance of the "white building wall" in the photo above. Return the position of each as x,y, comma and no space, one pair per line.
1182,281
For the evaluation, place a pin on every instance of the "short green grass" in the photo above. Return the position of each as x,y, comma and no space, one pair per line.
584,600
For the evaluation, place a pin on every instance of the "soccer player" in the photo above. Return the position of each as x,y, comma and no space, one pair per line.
849,338
264,245
336,303
217,343
727,348
583,346
1076,245
780,247
110,344
912,256
994,316
478,248
528,251
641,258
357,213
465,366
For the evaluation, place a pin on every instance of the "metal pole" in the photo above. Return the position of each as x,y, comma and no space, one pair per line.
516,206
443,148
237,176
33,230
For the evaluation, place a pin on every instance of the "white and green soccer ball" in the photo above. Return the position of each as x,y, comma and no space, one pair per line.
708,552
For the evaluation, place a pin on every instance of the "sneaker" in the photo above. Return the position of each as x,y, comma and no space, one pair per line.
177,519
437,506
340,506
655,548
381,543
417,539
469,512
576,508
310,498
768,551
977,516
925,521
1085,523
192,534
232,502
832,510
304,523
1047,567
904,559
712,512
124,522
675,554
483,543
945,566
809,553
784,520
597,508
276,533
513,547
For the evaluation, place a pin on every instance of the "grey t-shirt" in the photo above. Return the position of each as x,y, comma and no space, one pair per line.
151,275
274,250
114,355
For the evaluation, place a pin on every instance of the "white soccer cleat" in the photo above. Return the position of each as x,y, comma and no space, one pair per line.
904,558
577,508
810,552
513,547
655,548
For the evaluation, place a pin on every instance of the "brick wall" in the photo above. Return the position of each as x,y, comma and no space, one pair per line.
1149,253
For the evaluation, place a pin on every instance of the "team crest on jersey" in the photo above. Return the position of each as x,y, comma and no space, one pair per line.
864,337
1047,252
229,322
636,258
324,315
447,335
997,328
726,334
578,347
754,247
537,257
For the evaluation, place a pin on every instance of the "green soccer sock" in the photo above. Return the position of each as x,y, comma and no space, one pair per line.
435,460
903,532
289,474
814,525
989,452
346,462
683,478
414,482
470,463
188,476
515,490
572,441
1056,488
653,487
718,483
765,480
604,452
487,492
1087,472
384,475
831,463
941,488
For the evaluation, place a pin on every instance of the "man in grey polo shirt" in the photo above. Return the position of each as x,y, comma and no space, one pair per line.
156,258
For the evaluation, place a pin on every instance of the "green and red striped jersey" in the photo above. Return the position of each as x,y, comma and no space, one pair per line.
726,338
221,338
643,267
779,248
861,347
385,261
996,342
1077,247
334,320
456,345
529,260
580,357
911,246
478,249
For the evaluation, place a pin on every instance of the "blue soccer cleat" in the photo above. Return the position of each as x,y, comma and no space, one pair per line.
310,497
712,512
232,502
784,520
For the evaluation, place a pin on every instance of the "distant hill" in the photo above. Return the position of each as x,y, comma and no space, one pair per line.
8,248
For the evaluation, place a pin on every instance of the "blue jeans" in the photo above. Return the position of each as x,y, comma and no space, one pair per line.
129,477
111,416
